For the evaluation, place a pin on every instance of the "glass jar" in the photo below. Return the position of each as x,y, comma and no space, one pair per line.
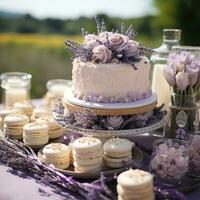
56,89
169,161
16,87
171,37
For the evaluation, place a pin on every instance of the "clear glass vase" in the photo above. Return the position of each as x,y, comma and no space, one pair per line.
182,116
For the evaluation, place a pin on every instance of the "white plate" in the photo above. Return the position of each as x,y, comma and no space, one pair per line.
73,100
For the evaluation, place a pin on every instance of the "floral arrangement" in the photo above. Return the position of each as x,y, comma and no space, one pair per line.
183,75
108,46
90,120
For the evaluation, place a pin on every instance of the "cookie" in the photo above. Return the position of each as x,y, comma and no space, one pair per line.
57,154
87,155
55,130
135,185
86,145
13,125
7,111
26,107
118,147
35,134
40,113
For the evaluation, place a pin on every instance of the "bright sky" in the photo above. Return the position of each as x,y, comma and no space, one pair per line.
75,8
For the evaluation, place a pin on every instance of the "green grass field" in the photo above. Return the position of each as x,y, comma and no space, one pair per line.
44,56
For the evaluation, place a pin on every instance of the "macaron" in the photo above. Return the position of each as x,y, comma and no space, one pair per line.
87,155
118,147
55,130
35,134
57,154
134,185
13,125
7,111
26,107
118,152
40,113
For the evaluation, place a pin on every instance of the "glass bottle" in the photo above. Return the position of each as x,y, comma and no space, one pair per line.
171,37
16,87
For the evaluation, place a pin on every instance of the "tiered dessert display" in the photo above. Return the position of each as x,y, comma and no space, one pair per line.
111,88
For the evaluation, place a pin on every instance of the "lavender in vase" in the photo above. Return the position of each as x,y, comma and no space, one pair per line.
183,76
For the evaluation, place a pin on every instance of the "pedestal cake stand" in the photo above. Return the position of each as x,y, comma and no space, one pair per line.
74,104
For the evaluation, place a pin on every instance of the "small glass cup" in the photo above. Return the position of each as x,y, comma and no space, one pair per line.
56,89
169,161
16,87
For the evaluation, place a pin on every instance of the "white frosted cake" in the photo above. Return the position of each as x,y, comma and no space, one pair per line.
110,67
111,81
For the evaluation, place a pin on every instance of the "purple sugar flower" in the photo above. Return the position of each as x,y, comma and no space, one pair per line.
182,80
169,75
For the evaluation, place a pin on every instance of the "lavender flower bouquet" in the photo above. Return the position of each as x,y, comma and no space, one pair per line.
183,76
108,46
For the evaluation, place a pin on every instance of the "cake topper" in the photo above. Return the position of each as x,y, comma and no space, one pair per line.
108,46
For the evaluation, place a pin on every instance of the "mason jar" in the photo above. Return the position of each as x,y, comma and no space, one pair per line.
16,87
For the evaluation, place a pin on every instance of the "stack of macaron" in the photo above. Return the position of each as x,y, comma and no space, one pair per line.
35,134
135,185
54,129
13,125
57,154
26,107
87,155
117,152
40,113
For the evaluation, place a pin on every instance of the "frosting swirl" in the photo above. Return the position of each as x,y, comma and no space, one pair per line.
114,122
90,40
102,54
118,41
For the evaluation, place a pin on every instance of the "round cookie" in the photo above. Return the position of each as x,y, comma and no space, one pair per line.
55,130
134,178
86,145
16,120
40,113
35,134
7,111
118,147
26,107
57,154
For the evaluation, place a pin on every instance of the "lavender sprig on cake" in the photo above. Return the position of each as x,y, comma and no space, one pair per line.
108,46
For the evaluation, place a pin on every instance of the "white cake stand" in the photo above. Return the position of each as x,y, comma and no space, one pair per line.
141,106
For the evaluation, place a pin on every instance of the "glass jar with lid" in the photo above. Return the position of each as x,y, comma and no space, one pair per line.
16,87
56,89
171,37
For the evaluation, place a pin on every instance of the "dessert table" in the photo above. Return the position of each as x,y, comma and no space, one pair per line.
14,185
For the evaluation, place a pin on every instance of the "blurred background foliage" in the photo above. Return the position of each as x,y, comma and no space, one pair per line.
36,46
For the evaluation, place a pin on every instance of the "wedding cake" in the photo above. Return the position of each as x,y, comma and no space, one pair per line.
110,67
110,83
